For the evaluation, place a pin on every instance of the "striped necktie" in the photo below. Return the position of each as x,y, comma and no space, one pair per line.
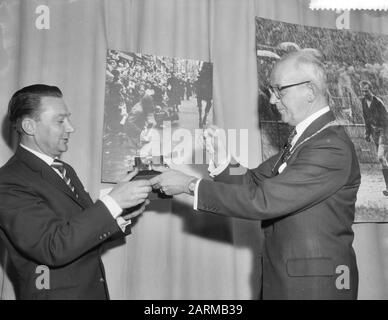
287,148
61,168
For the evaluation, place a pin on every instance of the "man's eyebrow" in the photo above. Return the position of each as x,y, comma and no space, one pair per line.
63,115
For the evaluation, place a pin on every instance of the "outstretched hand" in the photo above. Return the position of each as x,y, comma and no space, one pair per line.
215,144
137,212
171,182
129,193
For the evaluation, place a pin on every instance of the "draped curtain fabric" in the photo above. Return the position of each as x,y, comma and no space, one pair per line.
173,252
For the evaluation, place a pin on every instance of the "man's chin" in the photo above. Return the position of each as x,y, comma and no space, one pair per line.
64,148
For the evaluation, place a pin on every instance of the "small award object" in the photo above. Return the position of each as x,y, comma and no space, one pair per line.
146,172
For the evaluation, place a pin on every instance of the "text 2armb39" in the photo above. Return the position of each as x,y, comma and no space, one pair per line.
215,309
194,309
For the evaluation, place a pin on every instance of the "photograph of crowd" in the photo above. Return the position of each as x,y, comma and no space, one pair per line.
357,70
146,96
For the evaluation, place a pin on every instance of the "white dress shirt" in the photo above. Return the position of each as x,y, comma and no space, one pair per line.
300,128
111,204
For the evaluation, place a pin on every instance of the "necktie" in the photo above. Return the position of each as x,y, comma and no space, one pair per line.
61,168
287,148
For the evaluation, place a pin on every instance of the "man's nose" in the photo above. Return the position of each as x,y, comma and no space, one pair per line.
69,127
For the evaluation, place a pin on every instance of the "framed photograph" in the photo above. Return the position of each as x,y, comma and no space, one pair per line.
357,69
151,102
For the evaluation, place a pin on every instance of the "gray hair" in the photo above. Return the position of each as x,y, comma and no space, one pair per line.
310,63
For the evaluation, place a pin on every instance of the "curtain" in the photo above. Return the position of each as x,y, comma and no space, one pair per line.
173,252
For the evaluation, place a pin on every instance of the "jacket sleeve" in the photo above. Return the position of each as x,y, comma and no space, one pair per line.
236,174
319,171
78,183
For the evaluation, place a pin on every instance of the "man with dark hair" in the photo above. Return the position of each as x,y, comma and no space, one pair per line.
47,219
24,102
204,90
305,195
376,125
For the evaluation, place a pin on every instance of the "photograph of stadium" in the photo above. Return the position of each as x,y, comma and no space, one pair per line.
357,70
146,97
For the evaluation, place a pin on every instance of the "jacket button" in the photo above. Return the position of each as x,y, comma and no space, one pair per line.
101,238
102,280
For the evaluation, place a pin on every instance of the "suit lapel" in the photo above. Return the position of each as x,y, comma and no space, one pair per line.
47,173
315,126
53,178
79,188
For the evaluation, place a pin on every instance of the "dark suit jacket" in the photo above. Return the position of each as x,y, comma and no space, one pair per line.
43,223
376,115
307,212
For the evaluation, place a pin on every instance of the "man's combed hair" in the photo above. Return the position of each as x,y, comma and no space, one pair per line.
26,102
312,63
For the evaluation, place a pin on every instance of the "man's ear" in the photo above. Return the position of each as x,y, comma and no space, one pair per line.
312,92
28,126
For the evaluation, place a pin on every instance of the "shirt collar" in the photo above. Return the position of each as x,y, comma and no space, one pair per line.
40,155
302,126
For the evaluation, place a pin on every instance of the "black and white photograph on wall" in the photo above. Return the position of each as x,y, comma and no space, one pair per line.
149,101
357,70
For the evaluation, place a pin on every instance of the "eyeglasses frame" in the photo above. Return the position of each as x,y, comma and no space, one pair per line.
276,90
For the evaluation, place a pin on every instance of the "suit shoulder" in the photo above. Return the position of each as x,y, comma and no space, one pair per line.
8,165
336,137
11,170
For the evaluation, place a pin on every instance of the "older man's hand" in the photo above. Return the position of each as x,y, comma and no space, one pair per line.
135,213
215,144
171,182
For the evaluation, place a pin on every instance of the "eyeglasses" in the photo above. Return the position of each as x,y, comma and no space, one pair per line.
276,90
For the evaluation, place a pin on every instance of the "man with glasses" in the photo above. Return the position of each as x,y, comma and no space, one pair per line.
305,195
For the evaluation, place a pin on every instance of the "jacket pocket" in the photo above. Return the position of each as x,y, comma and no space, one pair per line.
310,267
